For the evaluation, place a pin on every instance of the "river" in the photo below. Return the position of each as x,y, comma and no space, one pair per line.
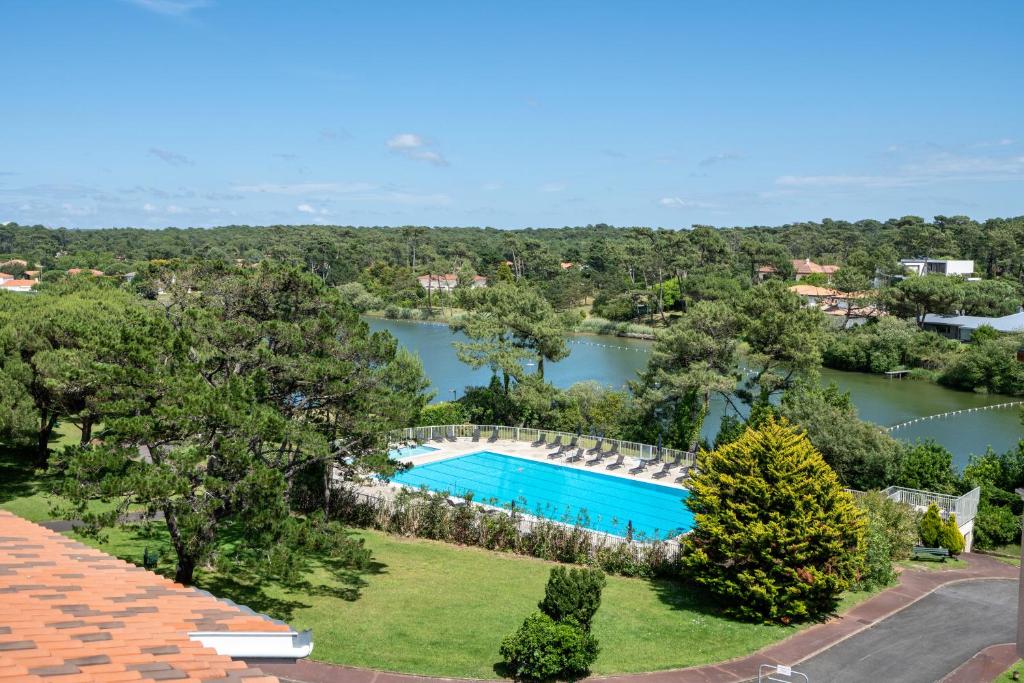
613,361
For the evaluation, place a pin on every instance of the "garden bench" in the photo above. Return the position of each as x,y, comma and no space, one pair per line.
922,553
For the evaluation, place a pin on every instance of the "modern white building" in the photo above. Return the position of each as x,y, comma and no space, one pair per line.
937,266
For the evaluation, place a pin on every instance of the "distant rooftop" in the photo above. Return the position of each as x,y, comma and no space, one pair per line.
1007,323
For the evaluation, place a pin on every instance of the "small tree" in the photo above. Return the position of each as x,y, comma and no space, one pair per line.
950,537
544,649
573,594
556,642
931,527
776,538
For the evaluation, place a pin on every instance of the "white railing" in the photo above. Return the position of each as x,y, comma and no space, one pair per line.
491,433
965,507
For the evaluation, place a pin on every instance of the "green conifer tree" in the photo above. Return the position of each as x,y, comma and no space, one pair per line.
931,527
776,537
950,538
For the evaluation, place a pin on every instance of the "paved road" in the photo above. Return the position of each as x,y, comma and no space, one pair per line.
926,641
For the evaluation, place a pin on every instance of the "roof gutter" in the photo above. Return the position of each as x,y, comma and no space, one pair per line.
257,644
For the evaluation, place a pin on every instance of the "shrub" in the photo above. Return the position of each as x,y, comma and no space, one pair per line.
544,649
573,594
995,526
891,534
776,538
950,537
927,466
443,413
930,528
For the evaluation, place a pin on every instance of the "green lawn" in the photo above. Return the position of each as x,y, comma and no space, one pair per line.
436,609
22,491
1008,674
25,492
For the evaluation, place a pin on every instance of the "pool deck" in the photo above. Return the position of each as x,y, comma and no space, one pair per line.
520,449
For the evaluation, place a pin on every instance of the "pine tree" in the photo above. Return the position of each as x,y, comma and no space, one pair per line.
950,537
931,527
776,537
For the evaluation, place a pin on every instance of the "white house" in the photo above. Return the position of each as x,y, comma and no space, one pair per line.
938,266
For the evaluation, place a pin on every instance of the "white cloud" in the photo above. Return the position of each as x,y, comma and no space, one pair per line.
926,169
306,188
169,157
171,8
491,187
149,208
843,181
309,208
720,157
413,146
171,208
405,141
553,187
679,203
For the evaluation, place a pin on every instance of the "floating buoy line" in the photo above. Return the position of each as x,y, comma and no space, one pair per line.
952,413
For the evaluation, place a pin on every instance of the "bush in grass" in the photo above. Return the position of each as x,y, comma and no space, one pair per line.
544,649
891,535
930,528
950,537
776,538
573,594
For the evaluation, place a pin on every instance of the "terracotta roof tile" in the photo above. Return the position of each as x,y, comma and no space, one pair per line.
70,614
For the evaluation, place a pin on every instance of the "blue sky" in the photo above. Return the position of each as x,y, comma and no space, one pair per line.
196,113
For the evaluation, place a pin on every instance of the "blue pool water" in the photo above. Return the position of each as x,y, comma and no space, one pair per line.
565,494
409,451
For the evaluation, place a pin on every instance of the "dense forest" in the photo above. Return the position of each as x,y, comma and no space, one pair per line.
628,273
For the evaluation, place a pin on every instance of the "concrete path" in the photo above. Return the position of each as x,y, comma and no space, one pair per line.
926,641
838,636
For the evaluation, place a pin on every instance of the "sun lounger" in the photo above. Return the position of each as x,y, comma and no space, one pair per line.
494,436
664,471
438,437
476,434
575,457
639,468
555,455
557,443
597,446
618,462
595,460
684,474
541,440
450,434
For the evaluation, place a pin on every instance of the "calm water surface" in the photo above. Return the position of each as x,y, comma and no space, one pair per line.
613,361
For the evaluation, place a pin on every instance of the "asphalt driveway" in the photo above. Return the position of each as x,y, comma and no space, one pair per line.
926,641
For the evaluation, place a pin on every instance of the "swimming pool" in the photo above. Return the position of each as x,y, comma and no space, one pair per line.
566,494
409,451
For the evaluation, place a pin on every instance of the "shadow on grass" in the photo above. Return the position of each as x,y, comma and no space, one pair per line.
276,597
18,478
